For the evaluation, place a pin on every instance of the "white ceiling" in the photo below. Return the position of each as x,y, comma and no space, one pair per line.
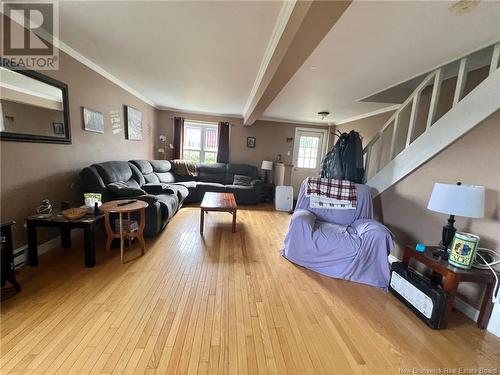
200,56
375,45
204,56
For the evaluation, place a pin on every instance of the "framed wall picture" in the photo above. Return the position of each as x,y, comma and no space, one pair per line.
58,128
133,121
251,142
93,121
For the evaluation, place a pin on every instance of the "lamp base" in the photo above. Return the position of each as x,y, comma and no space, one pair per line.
441,253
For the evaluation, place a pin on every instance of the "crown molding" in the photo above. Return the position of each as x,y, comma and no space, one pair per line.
103,72
369,114
282,121
194,112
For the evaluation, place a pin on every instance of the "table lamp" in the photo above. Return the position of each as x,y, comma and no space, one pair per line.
459,200
266,166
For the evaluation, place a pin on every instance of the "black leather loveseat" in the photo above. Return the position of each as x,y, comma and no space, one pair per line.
155,182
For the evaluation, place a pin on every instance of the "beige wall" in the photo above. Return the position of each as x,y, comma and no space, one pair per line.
474,160
31,172
270,138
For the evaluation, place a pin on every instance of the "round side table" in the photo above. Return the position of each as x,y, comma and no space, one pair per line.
126,230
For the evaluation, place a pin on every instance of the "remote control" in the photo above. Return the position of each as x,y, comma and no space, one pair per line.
127,202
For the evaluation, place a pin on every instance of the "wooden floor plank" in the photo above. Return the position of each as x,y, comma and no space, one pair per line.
217,303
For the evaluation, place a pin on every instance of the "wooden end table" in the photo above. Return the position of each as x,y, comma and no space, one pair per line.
114,207
221,202
452,277
88,223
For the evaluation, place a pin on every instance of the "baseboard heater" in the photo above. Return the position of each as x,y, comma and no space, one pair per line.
427,301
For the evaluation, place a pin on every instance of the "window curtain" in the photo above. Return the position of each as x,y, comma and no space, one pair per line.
223,144
178,136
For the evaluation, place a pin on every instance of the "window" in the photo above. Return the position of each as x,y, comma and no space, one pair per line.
308,152
200,142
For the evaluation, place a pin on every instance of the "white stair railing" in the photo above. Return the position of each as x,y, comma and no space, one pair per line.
374,151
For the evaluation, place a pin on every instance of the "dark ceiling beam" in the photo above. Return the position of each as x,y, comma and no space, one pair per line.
307,25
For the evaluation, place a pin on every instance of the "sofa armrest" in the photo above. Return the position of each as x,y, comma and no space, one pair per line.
157,188
148,198
256,182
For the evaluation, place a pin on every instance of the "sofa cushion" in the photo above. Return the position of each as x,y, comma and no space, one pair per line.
242,180
114,171
161,166
243,194
165,177
242,170
146,169
122,189
215,172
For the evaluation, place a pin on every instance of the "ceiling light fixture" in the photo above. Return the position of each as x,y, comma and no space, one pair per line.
323,114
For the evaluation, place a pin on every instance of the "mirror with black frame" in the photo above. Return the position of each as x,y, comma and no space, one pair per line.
33,107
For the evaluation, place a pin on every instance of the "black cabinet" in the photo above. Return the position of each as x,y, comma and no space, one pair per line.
267,192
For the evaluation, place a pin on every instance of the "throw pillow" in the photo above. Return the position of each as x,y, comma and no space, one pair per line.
123,190
242,180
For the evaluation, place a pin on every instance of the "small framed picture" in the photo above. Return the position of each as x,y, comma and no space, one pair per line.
58,128
133,122
93,121
251,142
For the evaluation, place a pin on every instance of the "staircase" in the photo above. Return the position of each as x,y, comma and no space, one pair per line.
447,103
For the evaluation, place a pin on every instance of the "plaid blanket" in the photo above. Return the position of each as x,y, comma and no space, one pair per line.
330,193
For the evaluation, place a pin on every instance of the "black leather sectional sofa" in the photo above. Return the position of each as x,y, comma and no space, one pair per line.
155,182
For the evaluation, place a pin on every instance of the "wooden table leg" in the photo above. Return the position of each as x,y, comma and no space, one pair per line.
140,231
234,221
202,219
65,237
89,239
450,286
406,257
486,307
32,245
109,232
121,235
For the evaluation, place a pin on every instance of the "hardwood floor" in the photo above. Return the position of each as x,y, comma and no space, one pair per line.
220,303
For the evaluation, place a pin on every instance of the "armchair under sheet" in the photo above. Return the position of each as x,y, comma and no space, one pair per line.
341,243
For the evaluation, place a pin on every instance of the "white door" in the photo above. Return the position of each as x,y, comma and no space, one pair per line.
308,151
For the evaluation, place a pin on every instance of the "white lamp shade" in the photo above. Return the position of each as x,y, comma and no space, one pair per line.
267,165
459,200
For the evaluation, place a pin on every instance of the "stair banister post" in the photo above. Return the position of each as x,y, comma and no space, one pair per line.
495,57
413,117
461,79
436,90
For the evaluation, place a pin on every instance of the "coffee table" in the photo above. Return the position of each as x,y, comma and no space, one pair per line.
221,202
116,207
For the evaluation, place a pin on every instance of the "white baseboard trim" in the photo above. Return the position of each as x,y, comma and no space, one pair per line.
462,306
42,249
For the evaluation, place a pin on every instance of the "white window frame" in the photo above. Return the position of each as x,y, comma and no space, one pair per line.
204,126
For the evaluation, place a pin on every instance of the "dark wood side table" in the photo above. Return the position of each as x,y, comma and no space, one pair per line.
452,277
7,254
125,230
88,223
267,192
